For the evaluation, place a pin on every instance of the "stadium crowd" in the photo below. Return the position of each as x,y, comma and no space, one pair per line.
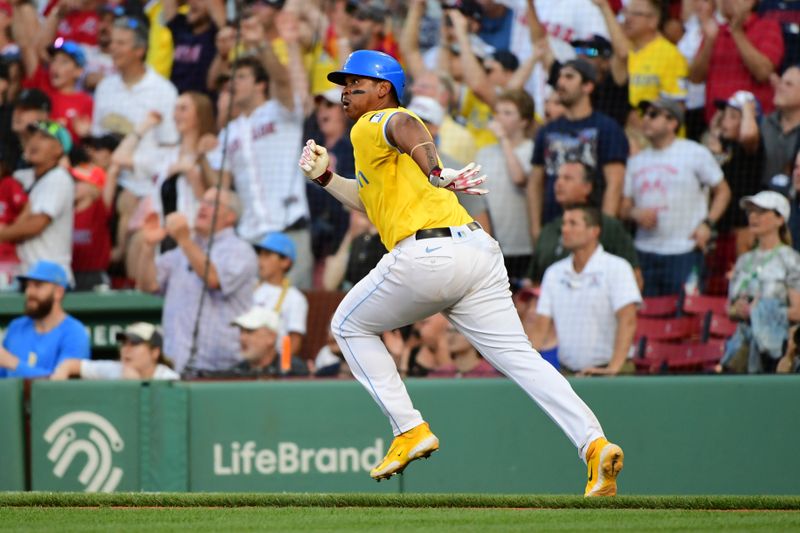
637,151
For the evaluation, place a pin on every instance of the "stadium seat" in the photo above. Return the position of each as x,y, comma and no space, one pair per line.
660,306
721,327
666,357
667,329
701,304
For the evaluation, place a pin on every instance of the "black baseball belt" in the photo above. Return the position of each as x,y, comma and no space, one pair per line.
432,233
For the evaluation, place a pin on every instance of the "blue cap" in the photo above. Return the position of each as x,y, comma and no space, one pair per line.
280,243
372,64
54,130
72,49
47,271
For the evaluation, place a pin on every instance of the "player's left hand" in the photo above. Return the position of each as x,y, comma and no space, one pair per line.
465,180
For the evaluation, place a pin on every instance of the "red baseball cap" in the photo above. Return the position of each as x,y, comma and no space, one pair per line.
90,174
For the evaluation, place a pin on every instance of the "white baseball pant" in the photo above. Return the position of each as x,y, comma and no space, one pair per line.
463,277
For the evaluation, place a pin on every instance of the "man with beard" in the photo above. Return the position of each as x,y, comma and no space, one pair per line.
193,36
35,344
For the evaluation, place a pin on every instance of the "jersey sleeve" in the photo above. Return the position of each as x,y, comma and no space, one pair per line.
622,285
544,306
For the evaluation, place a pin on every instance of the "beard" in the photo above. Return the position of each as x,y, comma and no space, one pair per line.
37,310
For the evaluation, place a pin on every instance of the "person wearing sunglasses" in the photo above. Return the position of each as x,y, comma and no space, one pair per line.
140,357
666,188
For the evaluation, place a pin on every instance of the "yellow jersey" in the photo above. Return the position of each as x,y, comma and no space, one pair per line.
657,70
397,196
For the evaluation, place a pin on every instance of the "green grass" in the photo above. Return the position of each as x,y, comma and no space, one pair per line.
46,512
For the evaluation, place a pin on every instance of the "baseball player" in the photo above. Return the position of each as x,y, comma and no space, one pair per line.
440,260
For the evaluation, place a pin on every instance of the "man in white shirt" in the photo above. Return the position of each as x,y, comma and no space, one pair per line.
123,100
591,297
263,146
666,194
44,228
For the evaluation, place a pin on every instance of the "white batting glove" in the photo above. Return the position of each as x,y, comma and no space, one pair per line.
465,180
314,163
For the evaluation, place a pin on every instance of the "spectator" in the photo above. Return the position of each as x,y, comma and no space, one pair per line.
193,38
140,357
467,362
258,334
72,21
652,66
99,63
99,149
13,199
591,298
794,196
454,139
764,293
35,344
432,115
508,164
7,45
781,130
359,252
31,106
59,79
665,194
181,276
564,21
553,108
574,187
737,146
430,354
276,254
610,96
44,229
328,216
330,361
696,14
599,140
741,54
365,28
263,169
124,100
91,238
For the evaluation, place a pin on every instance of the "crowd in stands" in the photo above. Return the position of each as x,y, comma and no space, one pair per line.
636,150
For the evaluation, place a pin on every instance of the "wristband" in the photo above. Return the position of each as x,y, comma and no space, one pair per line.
707,222
324,179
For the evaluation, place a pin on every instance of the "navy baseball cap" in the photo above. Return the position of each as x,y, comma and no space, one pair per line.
71,49
47,271
280,243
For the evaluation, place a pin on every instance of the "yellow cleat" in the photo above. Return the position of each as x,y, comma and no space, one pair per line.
406,447
604,460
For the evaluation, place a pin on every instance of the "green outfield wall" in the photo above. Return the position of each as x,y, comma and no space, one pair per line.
12,465
681,435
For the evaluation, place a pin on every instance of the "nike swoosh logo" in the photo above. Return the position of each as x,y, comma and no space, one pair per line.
429,250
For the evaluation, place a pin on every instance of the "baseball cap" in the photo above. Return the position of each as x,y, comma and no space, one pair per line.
54,130
673,107
280,243
90,174
109,142
469,8
367,9
771,200
507,59
34,99
427,109
258,317
141,332
780,183
333,95
594,46
586,69
70,48
47,271
738,100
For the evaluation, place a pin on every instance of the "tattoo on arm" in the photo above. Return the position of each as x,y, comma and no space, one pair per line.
431,157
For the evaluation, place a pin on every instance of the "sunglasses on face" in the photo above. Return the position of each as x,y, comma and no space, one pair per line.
653,114
587,51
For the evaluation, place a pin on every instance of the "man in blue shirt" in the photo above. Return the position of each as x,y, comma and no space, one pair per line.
36,343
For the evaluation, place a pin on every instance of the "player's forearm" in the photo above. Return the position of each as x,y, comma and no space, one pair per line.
346,191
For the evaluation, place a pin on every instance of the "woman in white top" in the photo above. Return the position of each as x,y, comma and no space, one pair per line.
508,163
140,357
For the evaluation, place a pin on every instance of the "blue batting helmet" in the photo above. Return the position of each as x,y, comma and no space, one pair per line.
372,64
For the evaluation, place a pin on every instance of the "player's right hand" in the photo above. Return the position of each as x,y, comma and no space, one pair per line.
465,180
314,160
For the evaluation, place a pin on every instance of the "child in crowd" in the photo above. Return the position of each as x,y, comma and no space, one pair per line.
91,238
276,254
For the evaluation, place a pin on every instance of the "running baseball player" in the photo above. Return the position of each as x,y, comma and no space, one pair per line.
439,260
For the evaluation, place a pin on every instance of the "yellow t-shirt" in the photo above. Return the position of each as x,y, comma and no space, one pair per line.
456,141
477,114
159,43
656,70
395,192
